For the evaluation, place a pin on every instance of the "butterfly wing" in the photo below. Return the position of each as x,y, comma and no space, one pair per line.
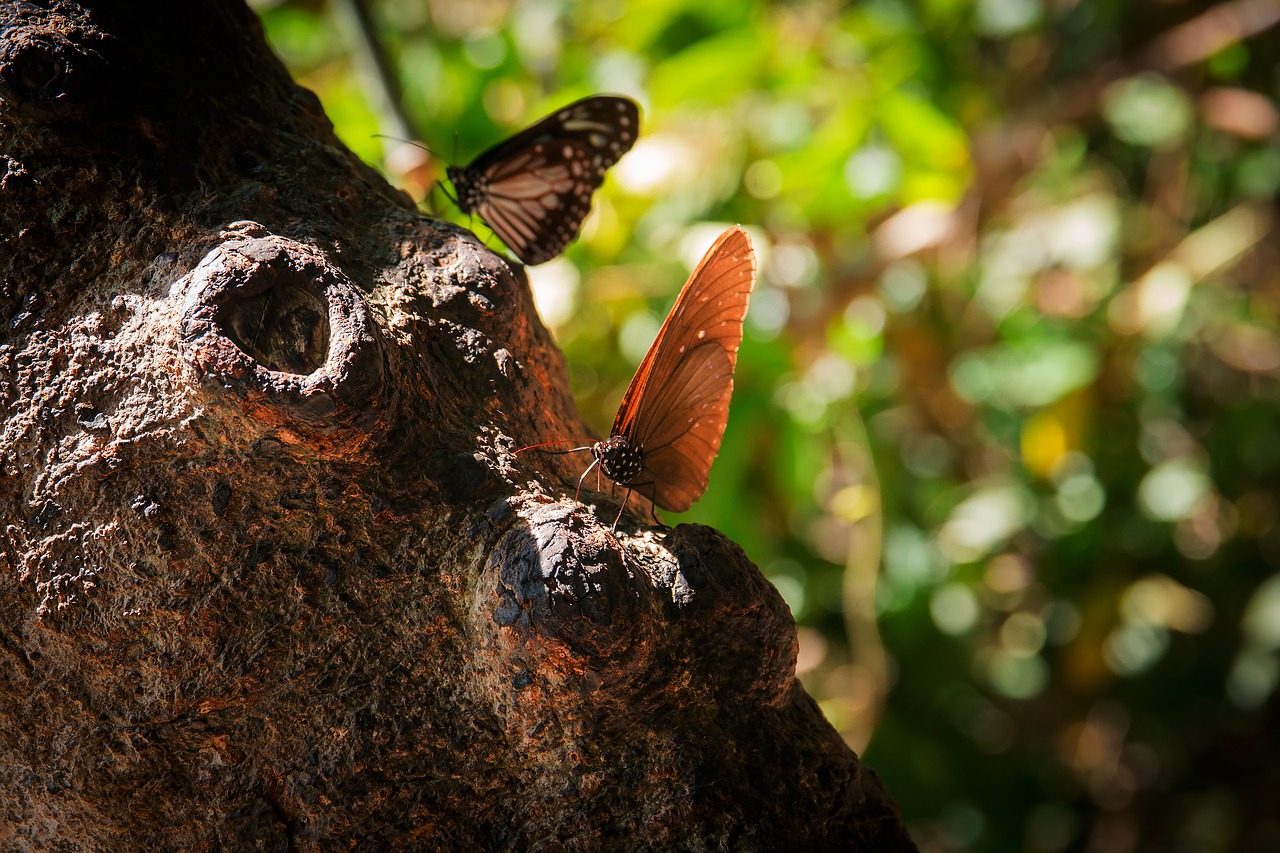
677,404
534,189
683,437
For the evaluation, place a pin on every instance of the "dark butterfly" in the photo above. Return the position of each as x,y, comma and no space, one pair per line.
668,428
535,188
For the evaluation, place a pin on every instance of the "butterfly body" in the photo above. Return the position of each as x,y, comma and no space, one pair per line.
620,460
470,186
534,189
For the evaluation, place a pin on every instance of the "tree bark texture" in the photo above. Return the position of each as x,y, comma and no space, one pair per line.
271,577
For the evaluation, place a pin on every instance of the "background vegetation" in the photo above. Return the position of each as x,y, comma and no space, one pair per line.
1005,430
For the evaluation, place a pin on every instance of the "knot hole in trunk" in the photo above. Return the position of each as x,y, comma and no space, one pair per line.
284,326
274,321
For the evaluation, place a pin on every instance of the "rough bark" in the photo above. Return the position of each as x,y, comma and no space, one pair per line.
270,575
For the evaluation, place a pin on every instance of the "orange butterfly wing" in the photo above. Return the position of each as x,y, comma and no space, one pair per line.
677,405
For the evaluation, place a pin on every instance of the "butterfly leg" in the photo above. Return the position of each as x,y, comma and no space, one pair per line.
440,185
653,495
429,201
614,529
453,197
578,490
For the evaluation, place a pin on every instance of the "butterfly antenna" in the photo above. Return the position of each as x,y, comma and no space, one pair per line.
406,142
553,444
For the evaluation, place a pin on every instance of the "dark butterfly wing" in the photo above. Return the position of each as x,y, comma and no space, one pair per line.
534,189
677,405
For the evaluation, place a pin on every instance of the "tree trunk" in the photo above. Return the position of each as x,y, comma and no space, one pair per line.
271,577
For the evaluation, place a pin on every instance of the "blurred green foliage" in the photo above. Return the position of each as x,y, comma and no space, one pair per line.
1005,432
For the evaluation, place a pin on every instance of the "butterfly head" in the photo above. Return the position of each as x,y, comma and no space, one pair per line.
620,460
